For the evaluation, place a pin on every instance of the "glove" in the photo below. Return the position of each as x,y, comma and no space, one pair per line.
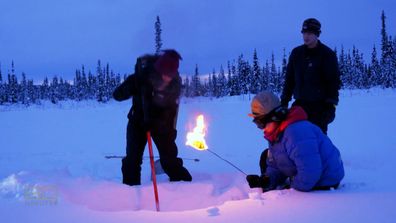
256,181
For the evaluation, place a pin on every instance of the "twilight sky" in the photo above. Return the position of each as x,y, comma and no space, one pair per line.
54,37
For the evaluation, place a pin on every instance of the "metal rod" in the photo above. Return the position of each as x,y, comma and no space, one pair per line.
147,157
114,157
226,161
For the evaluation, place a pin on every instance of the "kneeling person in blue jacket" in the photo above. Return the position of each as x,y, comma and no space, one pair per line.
299,154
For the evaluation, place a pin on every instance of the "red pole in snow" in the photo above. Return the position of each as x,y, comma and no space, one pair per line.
153,177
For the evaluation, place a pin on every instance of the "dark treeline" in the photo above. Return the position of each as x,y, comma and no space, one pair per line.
244,77
240,76
85,86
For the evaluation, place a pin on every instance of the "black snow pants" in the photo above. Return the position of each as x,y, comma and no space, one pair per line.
165,143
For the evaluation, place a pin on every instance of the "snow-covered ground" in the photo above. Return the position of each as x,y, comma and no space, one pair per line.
52,166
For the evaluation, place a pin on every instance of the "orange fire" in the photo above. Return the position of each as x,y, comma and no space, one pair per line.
196,138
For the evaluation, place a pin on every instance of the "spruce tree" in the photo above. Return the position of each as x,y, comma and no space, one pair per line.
187,87
108,88
1,76
222,83
274,79
13,91
348,75
196,89
23,96
243,74
54,90
393,63
265,82
387,59
208,86
282,75
256,76
2,89
342,66
45,89
32,92
384,38
356,69
84,84
233,79
62,90
92,85
158,31
375,69
100,94
215,85
77,90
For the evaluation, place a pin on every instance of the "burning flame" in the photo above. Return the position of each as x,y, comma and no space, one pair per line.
196,138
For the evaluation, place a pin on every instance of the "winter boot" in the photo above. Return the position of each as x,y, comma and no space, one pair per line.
182,175
130,176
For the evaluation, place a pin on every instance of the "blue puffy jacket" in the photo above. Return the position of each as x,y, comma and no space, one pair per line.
306,155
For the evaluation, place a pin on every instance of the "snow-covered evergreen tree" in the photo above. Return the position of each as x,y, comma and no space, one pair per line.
222,83
387,58
2,89
273,81
256,76
384,39
158,31
64,90
83,84
212,90
342,66
108,85
265,77
101,87
243,74
282,75
33,92
346,70
24,95
186,87
196,87
393,63
44,90
233,79
54,90
92,85
375,69
77,90
12,87
357,69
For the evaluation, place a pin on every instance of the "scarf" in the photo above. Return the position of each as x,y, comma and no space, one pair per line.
296,113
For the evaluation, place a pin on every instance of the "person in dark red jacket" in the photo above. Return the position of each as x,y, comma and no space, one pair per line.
313,77
155,87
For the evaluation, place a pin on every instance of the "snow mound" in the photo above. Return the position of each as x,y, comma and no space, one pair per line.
206,191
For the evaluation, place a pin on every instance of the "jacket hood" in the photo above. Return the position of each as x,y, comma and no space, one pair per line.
296,113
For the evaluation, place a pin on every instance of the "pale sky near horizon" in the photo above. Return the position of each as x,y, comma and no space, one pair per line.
48,37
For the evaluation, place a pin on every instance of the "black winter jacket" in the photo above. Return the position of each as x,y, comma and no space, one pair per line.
150,107
312,75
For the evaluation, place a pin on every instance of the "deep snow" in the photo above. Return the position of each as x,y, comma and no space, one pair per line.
53,167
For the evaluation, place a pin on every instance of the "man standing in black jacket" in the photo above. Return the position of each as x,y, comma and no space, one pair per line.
155,87
313,77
